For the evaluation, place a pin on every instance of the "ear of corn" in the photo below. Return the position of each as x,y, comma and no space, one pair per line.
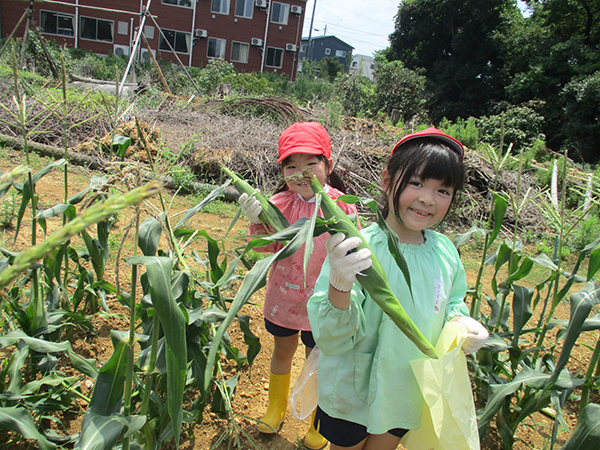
270,214
375,278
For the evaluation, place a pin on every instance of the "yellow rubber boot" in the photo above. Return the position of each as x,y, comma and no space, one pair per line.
279,391
313,439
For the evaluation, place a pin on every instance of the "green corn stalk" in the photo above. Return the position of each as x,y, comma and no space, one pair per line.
375,278
270,214
94,214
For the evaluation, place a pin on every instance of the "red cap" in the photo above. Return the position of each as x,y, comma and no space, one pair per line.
304,137
437,134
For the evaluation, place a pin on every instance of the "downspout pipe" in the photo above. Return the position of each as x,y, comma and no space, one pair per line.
193,34
264,49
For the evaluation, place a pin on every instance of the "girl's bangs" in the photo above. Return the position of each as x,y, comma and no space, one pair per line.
444,166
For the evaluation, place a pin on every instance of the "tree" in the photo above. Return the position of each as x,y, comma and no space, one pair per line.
544,53
582,118
399,88
453,41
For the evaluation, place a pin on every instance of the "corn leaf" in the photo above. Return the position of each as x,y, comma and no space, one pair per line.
149,236
108,391
20,421
102,432
582,303
528,377
295,235
392,242
173,322
216,193
521,310
587,432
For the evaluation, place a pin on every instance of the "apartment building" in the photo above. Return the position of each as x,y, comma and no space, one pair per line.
254,35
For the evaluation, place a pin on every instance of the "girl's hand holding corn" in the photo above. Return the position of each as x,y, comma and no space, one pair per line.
251,208
477,334
344,266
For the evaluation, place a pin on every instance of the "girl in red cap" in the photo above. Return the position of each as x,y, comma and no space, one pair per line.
302,145
370,397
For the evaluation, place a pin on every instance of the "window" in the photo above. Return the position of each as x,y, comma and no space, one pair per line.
239,52
56,23
274,57
96,29
216,48
280,13
328,51
340,53
303,48
179,40
354,63
185,3
244,8
220,6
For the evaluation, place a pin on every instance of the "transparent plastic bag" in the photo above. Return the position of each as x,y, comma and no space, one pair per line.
305,392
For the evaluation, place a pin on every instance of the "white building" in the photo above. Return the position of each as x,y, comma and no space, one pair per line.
363,65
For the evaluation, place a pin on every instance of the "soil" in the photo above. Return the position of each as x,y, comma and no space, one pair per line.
250,399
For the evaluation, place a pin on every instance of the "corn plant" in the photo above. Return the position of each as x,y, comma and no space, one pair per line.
515,372
178,314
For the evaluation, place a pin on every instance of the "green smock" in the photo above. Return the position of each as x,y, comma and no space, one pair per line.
364,369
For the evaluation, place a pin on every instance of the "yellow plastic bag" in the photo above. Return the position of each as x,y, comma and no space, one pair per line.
449,420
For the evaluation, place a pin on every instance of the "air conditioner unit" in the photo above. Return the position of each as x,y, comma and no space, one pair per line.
261,3
120,50
290,47
200,33
296,9
145,54
256,41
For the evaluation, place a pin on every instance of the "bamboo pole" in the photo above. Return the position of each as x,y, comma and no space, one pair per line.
156,66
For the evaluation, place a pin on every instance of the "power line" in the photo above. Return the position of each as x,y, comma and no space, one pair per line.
353,29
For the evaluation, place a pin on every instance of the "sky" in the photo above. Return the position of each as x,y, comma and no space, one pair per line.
363,24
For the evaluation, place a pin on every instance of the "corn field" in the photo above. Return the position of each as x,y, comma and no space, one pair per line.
183,305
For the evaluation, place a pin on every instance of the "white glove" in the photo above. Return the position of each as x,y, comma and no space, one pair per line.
345,266
476,337
251,208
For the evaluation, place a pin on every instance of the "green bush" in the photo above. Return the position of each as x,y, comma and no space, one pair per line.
464,130
519,125
216,72
586,232
359,95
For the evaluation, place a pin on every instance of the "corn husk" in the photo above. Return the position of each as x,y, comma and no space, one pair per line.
270,214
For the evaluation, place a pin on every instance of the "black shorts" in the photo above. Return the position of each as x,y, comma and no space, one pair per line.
276,330
343,433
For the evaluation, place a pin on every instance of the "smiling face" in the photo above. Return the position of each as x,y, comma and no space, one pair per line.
422,204
296,163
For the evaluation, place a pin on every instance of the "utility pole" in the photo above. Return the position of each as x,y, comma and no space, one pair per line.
312,19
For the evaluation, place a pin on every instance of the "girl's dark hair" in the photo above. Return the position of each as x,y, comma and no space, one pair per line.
332,180
425,158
